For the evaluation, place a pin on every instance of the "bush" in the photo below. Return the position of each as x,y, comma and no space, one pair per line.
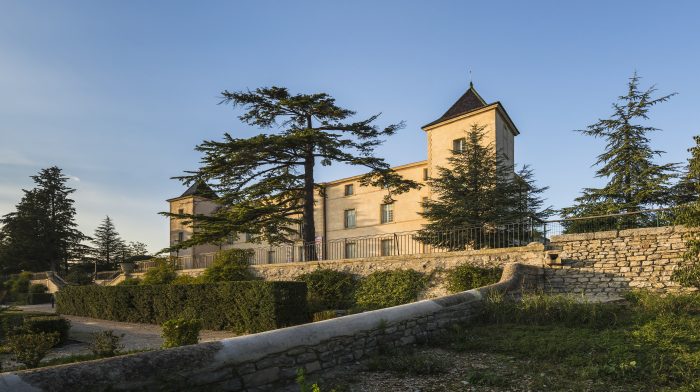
42,298
252,306
78,277
38,289
181,332
383,289
30,349
466,277
48,324
329,289
229,265
186,279
106,344
162,273
20,284
129,282
324,315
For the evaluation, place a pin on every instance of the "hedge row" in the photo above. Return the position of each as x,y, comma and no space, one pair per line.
241,306
39,298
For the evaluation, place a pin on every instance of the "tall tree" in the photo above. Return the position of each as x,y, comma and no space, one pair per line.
108,245
688,214
42,233
635,181
475,193
687,190
267,183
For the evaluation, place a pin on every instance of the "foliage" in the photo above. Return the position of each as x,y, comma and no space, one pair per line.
30,349
688,214
383,289
163,272
323,315
38,289
39,298
266,184
635,181
241,306
650,343
477,190
19,283
305,386
41,234
229,265
48,324
329,289
78,277
129,282
106,344
109,247
181,332
466,277
186,279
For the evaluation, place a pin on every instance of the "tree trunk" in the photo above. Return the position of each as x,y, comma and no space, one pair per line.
309,226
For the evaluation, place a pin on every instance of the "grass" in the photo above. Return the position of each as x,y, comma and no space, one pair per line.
408,361
651,342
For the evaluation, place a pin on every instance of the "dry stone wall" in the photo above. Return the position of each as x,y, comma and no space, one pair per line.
604,265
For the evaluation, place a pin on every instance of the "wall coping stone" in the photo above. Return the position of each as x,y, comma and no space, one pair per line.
663,230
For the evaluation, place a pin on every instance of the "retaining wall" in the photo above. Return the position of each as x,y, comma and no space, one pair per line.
268,361
604,265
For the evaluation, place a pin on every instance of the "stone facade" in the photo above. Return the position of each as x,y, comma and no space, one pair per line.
268,361
604,265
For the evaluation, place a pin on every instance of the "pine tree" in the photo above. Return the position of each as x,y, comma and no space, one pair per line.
266,184
42,233
476,195
635,181
109,247
687,190
688,214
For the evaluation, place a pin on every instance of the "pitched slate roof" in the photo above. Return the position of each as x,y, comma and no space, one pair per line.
470,100
200,188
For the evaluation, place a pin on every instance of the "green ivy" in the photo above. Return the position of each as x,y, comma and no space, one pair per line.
383,289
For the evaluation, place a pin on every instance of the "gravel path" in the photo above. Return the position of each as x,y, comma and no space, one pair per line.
136,336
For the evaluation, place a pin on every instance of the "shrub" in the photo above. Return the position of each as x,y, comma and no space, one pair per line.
30,349
466,277
129,282
324,315
38,289
329,289
181,332
687,275
186,279
106,343
43,298
229,265
251,306
48,324
162,273
19,283
78,277
383,289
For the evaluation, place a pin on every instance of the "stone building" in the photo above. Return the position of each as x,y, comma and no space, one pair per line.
350,211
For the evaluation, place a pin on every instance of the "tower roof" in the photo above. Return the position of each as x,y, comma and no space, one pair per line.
470,100
200,188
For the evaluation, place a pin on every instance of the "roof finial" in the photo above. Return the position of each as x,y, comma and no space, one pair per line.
471,85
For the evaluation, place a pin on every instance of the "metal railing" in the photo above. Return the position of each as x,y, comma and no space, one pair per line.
488,236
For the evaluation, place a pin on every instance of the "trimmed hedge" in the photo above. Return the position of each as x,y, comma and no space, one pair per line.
383,289
48,324
39,298
243,306
329,289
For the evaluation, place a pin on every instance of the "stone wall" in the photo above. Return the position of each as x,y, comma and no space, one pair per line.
268,361
604,265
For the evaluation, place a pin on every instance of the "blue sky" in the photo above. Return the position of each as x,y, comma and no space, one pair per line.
118,93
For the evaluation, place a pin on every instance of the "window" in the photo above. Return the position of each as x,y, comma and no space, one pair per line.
425,199
349,190
387,247
180,236
230,239
350,250
248,237
270,256
180,211
349,218
387,213
425,173
458,145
